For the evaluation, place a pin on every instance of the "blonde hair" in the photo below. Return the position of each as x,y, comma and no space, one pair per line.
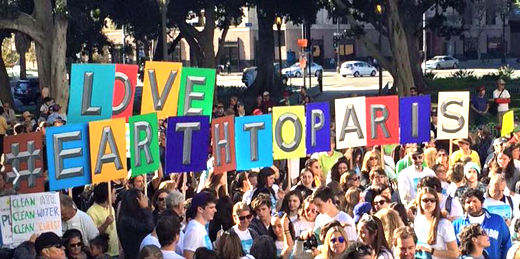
391,221
326,252
366,158
351,200
430,156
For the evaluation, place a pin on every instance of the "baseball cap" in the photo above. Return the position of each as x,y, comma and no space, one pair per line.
46,240
266,93
360,209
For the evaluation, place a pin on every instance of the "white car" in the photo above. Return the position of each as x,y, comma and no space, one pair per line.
357,69
296,71
439,62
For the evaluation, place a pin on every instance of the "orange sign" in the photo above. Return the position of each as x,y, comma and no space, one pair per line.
302,43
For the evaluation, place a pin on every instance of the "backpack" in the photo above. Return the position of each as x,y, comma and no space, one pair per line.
447,205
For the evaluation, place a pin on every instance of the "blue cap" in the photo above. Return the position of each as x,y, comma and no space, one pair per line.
360,209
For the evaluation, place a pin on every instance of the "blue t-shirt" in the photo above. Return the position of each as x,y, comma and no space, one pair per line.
479,102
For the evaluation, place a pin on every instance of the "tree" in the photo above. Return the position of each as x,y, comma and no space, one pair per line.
5,88
401,25
22,43
45,22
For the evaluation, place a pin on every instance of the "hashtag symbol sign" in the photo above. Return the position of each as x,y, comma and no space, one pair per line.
15,158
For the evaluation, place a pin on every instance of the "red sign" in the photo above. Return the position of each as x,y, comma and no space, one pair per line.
223,144
382,120
124,89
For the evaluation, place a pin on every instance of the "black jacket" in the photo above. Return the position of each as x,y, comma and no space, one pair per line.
131,229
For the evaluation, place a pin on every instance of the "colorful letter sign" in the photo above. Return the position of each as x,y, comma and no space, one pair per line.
318,127
24,162
382,120
91,92
350,122
161,88
253,141
414,119
223,143
144,144
68,156
124,89
196,93
289,132
187,144
453,109
107,150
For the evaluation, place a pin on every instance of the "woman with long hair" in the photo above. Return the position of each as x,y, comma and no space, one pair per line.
306,217
239,186
74,247
291,205
349,179
264,184
435,233
305,181
314,166
371,162
507,164
391,221
352,198
229,246
371,233
337,170
335,243
159,203
430,156
282,232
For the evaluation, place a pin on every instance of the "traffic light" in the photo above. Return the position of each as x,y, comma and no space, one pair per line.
335,40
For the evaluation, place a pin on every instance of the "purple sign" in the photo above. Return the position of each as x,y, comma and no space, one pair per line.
317,127
414,119
187,144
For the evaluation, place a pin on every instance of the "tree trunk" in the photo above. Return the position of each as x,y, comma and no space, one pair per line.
265,54
158,53
5,88
415,62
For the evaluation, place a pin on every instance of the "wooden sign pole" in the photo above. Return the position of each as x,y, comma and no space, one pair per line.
109,197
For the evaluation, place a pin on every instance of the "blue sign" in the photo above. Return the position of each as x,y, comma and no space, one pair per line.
317,116
253,141
503,210
414,119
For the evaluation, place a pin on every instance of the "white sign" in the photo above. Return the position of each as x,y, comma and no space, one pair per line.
452,114
5,220
351,127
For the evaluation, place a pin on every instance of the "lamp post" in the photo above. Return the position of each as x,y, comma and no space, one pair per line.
278,22
163,4
379,11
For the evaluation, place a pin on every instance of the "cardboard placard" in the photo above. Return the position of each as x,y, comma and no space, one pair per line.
253,141
187,144
24,162
414,119
5,220
107,150
350,122
223,144
289,132
161,88
124,90
91,92
508,123
196,92
453,109
503,210
144,144
382,120
68,156
317,127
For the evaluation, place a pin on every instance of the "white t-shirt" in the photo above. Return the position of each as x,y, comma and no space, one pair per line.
82,222
477,220
279,247
170,255
149,240
302,225
445,233
196,236
456,207
343,218
408,180
245,238
502,107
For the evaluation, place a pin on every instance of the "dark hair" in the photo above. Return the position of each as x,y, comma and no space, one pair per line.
432,182
457,172
150,252
101,241
70,234
204,253
285,201
472,193
24,250
323,193
100,193
510,168
436,166
334,172
168,227
375,226
229,246
356,250
261,199
156,196
263,248
271,233
399,207
129,203
468,232
261,185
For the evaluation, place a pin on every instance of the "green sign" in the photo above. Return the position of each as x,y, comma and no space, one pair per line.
196,92
144,144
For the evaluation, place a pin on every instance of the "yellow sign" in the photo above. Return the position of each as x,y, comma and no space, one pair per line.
107,150
508,123
289,132
161,88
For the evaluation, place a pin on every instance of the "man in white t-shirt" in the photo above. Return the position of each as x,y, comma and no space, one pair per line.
323,198
502,98
168,229
410,177
202,210
72,218
497,202
242,217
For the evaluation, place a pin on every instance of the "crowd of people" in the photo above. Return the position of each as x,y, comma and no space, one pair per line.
413,201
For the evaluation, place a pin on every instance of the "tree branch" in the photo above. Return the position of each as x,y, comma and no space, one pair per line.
26,24
174,43
221,42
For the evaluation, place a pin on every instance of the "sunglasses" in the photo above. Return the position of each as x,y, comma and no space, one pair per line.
341,240
79,244
242,218
373,158
417,157
161,199
380,202
427,200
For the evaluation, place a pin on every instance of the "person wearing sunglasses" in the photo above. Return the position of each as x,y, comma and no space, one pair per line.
74,247
435,234
48,245
473,241
306,217
371,233
159,203
242,217
335,244
410,177
380,202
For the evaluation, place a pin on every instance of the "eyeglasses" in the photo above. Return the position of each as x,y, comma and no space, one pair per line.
428,200
380,202
341,240
79,244
242,218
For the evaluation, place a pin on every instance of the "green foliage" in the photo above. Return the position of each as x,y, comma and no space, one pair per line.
504,72
463,74
8,54
430,75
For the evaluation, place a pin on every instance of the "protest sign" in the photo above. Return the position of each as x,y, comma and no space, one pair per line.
187,144
68,156
5,220
144,144
223,143
196,92
350,122
317,127
124,91
91,92
24,162
382,121
452,114
289,132
414,119
161,88
35,213
503,210
508,123
253,141
107,150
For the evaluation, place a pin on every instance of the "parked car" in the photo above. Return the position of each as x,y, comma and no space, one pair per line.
439,62
27,91
296,71
357,69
